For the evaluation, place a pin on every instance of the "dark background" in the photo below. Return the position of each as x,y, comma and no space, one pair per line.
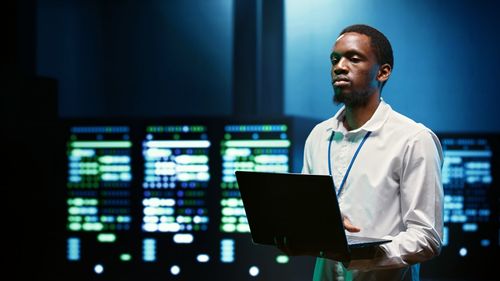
132,59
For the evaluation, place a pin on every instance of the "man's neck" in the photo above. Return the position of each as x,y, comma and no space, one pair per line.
355,117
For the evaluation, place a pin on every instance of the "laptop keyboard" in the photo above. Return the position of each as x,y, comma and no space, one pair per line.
355,239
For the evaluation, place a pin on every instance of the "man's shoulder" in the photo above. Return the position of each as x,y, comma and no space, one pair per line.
407,128
320,129
405,123
325,124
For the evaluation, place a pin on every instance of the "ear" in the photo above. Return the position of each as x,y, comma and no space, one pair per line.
384,72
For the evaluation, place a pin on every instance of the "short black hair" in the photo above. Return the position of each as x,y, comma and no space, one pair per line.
380,44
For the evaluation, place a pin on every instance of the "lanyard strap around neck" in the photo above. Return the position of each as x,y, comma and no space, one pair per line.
350,164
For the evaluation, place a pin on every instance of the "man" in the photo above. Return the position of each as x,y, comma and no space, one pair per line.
386,168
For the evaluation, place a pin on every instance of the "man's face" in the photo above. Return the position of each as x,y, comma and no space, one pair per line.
354,69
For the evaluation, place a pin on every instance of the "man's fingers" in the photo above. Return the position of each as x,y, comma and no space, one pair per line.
349,227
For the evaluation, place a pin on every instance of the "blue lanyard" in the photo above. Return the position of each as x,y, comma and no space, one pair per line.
350,164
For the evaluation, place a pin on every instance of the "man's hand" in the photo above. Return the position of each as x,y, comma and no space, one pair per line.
360,253
349,227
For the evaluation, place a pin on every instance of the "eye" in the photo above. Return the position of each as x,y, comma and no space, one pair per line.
355,59
335,60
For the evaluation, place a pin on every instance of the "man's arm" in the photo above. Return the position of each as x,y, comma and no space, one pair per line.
306,165
421,197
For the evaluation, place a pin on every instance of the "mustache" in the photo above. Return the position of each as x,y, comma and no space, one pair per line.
340,78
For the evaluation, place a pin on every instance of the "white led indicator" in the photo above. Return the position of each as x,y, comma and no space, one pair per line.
254,271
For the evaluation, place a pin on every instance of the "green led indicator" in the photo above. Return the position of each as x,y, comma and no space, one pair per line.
92,226
74,218
228,219
282,259
198,129
75,226
121,219
125,257
101,144
258,143
82,202
106,237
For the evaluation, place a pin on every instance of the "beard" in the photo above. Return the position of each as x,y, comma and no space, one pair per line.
352,99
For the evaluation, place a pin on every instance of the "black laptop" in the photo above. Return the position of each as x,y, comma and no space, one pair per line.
301,208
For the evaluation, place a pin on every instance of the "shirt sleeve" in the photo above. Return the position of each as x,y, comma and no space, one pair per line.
421,197
306,166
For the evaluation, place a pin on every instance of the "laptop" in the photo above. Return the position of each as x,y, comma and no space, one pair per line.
301,209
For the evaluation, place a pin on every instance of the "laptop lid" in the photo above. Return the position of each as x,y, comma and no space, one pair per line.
303,208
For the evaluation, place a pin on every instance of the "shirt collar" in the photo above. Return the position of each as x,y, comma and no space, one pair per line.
375,123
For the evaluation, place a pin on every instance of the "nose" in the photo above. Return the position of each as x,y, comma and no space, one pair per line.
340,67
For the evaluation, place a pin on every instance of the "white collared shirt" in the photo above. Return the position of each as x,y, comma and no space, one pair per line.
393,190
